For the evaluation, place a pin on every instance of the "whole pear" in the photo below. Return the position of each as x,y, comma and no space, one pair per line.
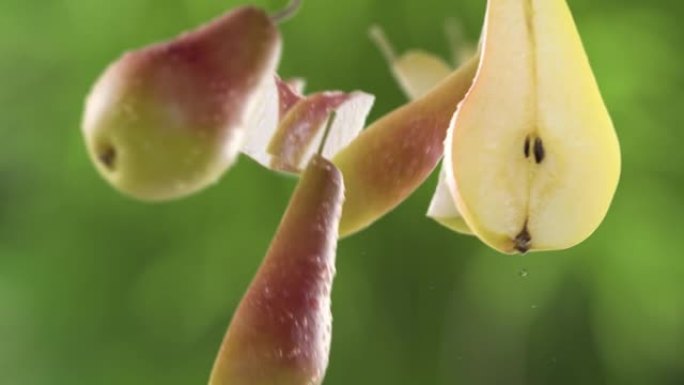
167,120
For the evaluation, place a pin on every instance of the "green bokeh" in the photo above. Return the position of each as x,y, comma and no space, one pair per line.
98,289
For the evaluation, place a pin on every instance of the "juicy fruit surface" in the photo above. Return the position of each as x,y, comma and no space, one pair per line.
533,155
280,333
167,120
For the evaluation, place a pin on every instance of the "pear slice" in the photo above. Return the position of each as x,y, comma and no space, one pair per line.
395,154
281,332
532,157
301,132
443,209
416,71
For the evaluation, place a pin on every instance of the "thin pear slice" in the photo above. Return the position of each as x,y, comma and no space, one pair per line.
532,154
395,154
416,71
286,128
443,209
281,332
301,131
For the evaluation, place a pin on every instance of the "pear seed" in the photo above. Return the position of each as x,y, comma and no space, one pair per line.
539,152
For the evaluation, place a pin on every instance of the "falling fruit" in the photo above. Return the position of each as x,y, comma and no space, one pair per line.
281,331
167,120
532,158
289,128
394,155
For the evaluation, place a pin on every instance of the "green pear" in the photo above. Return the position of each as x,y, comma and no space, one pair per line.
167,120
281,331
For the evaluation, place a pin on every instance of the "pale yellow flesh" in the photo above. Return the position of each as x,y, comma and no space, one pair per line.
534,81
416,71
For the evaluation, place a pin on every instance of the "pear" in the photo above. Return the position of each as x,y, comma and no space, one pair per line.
289,128
532,158
396,154
281,331
275,99
167,120
417,72
301,130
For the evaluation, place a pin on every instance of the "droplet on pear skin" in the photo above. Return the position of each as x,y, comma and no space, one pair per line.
167,120
281,331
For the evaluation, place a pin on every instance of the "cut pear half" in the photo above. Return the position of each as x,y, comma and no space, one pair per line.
532,158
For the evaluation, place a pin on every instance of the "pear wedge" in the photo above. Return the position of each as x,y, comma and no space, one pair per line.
389,160
281,331
532,158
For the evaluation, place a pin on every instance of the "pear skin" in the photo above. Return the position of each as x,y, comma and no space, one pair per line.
281,331
396,154
532,158
167,120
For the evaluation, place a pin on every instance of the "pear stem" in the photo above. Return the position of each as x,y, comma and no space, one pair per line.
326,133
377,35
287,13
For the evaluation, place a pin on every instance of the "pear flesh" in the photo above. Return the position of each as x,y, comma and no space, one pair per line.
532,158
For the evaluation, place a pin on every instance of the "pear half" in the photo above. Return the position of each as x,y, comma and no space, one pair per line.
532,158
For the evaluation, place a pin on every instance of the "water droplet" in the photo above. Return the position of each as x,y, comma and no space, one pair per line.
523,273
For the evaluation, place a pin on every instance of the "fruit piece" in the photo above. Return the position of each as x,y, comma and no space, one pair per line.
275,99
532,158
287,144
443,209
301,131
280,333
167,120
416,71
395,155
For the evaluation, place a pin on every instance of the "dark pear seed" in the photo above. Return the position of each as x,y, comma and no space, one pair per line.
527,147
539,152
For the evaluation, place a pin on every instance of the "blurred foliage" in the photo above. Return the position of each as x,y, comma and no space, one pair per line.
97,289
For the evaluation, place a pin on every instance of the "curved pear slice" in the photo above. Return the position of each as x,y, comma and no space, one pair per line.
395,154
533,155
443,209
281,331
301,129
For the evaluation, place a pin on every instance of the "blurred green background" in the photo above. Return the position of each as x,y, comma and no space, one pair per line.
98,289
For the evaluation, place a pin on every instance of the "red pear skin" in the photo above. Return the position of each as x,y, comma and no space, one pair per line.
167,120
396,154
287,96
281,331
